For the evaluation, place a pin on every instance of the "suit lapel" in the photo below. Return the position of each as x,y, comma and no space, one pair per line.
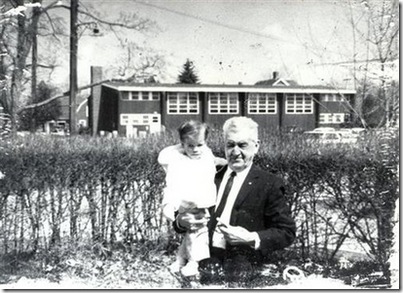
247,186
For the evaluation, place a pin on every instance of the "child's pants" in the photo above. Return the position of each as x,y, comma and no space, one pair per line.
195,245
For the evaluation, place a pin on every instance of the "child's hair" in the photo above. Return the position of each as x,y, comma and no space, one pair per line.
192,127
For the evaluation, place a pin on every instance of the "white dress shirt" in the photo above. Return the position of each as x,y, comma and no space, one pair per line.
218,237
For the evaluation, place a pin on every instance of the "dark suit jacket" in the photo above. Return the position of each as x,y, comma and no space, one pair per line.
261,206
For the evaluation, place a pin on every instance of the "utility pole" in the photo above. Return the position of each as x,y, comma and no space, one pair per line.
73,65
34,66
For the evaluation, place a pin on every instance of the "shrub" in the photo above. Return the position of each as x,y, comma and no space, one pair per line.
103,191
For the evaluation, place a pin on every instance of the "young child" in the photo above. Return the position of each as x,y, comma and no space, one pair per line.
190,171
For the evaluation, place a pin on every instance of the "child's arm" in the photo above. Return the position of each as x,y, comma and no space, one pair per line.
220,161
164,157
165,167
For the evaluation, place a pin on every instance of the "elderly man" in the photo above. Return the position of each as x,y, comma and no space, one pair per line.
251,217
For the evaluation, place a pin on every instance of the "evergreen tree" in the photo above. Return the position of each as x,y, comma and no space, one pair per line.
188,74
31,119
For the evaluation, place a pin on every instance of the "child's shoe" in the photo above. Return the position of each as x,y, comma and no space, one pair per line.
176,266
190,269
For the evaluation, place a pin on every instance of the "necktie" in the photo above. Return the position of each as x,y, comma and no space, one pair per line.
223,201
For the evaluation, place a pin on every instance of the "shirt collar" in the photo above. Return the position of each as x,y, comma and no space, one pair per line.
241,174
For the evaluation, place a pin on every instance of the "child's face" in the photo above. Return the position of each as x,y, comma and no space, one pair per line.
194,145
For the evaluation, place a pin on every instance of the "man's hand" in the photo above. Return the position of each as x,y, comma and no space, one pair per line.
192,221
237,235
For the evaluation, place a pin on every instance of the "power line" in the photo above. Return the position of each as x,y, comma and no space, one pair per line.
349,62
232,27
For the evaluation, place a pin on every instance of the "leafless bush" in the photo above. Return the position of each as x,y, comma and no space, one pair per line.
59,193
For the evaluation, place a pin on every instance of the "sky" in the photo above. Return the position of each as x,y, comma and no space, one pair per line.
229,41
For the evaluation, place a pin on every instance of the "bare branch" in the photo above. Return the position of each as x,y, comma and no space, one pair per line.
65,94
44,66
52,26
140,25
54,6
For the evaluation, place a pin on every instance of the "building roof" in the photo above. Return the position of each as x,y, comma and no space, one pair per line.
277,82
257,88
65,106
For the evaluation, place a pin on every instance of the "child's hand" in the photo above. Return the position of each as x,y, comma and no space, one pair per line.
188,205
190,221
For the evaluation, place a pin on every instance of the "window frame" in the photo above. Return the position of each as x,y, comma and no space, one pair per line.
222,104
141,95
332,98
305,107
180,106
139,119
266,106
331,118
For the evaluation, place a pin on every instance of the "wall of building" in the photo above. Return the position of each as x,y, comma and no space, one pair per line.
217,121
265,121
112,106
108,119
300,121
138,107
333,107
173,121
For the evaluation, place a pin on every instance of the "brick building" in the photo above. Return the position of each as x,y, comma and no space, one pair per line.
135,109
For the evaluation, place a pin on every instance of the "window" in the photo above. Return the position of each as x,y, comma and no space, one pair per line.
223,103
183,103
331,118
126,96
141,96
82,122
155,96
332,98
262,104
139,119
298,104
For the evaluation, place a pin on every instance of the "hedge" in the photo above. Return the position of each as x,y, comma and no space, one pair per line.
104,191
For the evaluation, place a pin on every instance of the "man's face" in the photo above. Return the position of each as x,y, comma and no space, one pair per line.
194,145
240,148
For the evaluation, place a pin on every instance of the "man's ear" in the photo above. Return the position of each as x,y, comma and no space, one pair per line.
257,144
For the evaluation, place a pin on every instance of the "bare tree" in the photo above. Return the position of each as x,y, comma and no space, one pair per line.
370,52
137,63
24,22
375,25
384,30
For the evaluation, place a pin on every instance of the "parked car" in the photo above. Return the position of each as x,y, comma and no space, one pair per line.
358,130
355,130
331,136
321,130
348,137
59,132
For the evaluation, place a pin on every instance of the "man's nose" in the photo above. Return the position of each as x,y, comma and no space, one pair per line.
236,151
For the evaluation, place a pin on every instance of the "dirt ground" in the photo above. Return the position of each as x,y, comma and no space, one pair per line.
67,282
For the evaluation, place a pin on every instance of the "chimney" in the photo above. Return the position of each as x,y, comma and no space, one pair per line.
95,99
275,75
239,82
